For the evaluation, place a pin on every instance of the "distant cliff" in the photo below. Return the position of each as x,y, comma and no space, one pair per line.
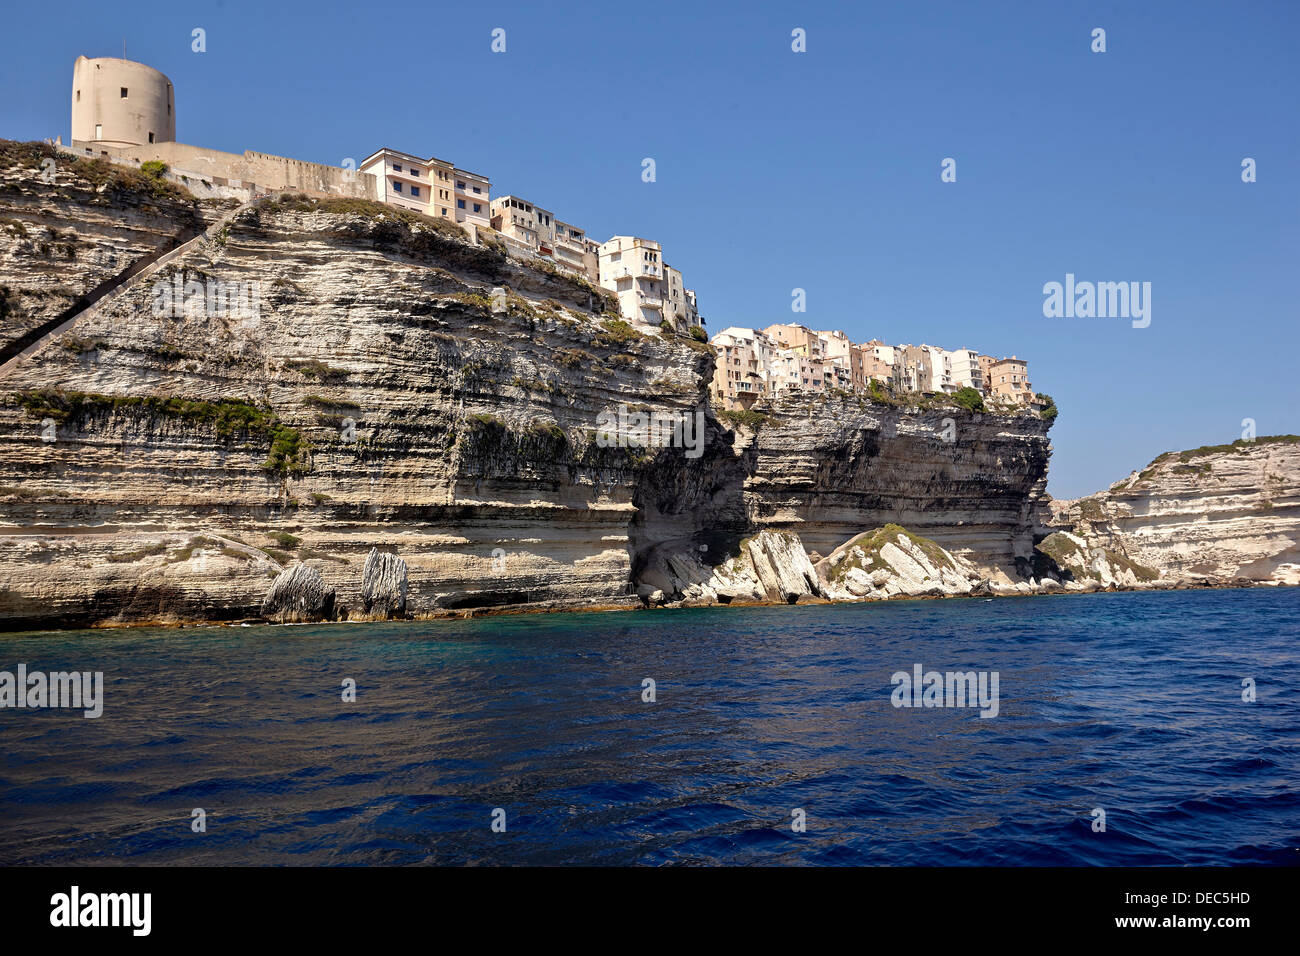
400,390
1209,514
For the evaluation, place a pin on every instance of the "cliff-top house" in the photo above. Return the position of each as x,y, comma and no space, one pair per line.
753,365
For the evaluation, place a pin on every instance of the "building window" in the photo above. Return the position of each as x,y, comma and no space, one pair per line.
415,172
415,190
397,187
477,206
477,190
459,184
397,167
78,96
99,131
444,210
151,137
124,92
460,204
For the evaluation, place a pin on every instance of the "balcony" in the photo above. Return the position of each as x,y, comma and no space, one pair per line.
648,272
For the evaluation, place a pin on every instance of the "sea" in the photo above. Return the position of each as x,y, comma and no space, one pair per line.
1136,729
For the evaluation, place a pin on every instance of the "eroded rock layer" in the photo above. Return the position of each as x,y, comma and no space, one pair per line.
1221,512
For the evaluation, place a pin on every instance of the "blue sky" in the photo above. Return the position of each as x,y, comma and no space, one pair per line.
820,170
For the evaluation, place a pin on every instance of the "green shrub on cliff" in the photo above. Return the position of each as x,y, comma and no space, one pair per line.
744,418
575,358
878,394
1049,410
616,332
1076,560
969,398
547,433
289,452
99,172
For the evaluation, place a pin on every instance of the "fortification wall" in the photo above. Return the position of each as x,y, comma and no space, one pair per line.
236,174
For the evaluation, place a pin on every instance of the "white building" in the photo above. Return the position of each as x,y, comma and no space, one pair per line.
966,370
679,302
633,270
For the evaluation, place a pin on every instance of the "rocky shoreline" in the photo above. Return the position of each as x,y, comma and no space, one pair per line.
635,604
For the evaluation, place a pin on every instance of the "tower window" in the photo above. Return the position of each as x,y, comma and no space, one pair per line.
151,137
99,131
124,92
78,96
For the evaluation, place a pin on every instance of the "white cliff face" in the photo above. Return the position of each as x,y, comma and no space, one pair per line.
892,562
1217,513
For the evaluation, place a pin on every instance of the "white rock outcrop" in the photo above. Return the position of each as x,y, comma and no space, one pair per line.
892,562
383,585
770,566
299,594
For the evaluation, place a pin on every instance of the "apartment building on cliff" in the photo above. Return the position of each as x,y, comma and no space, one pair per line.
409,182
754,365
742,373
533,231
680,310
433,186
1009,379
633,269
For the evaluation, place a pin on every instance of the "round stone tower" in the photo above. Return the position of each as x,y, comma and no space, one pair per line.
121,103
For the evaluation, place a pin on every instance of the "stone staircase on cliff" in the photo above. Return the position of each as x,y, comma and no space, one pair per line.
13,353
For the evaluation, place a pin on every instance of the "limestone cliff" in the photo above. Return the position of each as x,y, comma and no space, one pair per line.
828,468
1211,514
400,389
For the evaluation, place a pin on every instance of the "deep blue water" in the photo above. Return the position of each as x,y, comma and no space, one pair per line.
1128,702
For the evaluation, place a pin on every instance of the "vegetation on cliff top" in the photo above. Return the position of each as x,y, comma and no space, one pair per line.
99,172
289,452
969,398
616,332
1241,445
370,209
744,418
